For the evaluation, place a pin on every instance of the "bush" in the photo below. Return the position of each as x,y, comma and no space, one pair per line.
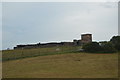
116,42
92,47
108,48
104,47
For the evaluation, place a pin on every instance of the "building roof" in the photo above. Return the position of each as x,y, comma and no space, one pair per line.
85,34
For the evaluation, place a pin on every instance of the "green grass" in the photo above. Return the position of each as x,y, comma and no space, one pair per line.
18,54
70,65
66,62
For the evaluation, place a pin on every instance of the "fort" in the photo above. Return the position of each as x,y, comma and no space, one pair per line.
85,38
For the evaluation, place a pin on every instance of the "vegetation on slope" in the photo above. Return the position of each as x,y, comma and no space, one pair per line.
103,47
80,65
111,46
23,53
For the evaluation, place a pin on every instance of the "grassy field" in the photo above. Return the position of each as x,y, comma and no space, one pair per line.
70,65
19,53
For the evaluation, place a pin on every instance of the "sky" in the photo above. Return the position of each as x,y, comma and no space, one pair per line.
34,22
0,26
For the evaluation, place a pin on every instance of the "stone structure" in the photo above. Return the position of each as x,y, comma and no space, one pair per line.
85,38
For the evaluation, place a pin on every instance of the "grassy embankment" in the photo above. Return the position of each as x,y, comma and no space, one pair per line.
80,65
18,54
60,65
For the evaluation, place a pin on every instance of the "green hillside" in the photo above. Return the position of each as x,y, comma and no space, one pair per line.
23,53
80,65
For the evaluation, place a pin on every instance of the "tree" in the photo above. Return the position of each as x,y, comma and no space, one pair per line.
116,42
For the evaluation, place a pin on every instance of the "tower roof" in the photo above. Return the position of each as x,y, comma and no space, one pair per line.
85,34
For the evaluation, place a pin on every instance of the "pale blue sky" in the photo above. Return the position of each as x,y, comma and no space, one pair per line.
33,22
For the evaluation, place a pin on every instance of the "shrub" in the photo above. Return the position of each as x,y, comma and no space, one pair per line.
116,42
108,48
92,47
103,47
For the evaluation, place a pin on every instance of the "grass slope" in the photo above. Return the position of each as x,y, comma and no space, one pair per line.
73,65
19,53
